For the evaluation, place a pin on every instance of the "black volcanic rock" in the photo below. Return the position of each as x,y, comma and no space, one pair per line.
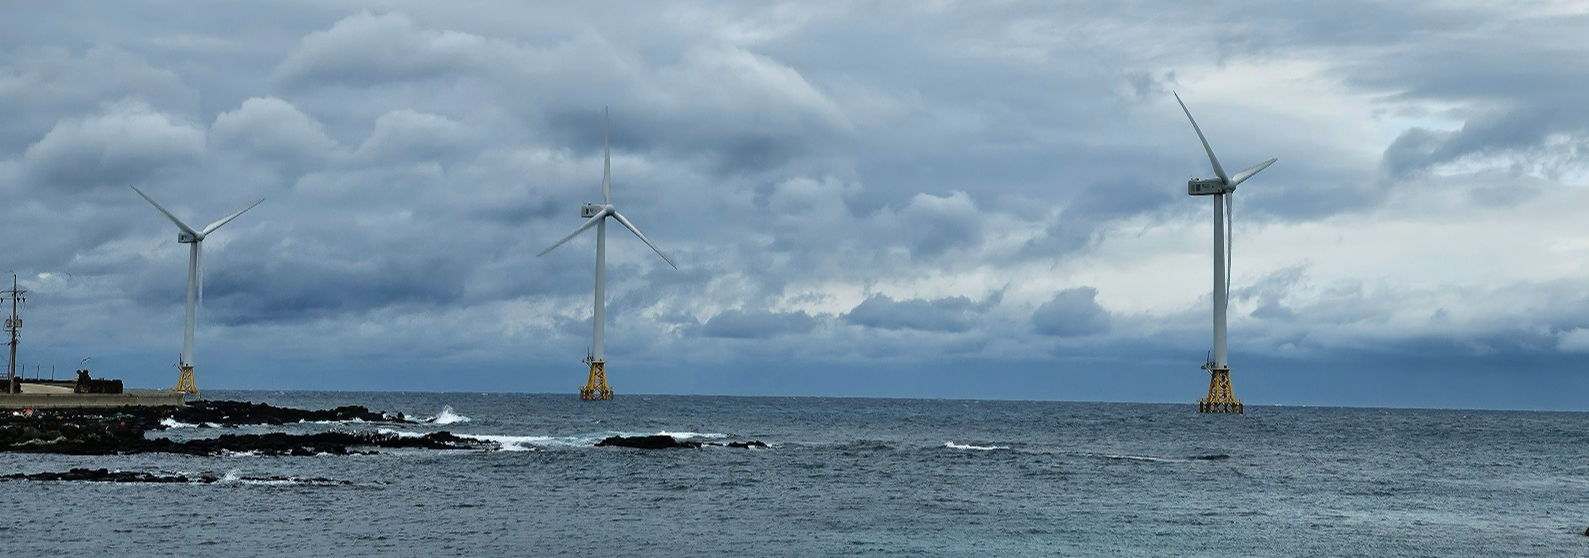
662,441
105,475
647,442
234,413
122,431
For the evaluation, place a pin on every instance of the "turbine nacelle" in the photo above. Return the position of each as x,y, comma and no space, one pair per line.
185,237
1206,187
589,210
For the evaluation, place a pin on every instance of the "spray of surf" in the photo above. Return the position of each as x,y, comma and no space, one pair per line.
448,416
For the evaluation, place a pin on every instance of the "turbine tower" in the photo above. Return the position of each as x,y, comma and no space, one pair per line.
596,215
195,283
1221,398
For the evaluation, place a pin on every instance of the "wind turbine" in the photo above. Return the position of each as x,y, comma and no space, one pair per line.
195,282
596,215
1220,398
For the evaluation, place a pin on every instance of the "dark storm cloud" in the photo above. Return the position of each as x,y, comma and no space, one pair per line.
416,156
1071,313
757,324
295,290
952,314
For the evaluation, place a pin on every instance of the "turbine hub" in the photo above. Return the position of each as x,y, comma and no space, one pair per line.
188,238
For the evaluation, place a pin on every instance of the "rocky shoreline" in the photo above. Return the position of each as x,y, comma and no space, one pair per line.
125,430
106,475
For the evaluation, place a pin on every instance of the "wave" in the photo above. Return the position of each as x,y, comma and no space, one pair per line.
232,477
533,443
953,445
169,422
1146,458
447,416
687,435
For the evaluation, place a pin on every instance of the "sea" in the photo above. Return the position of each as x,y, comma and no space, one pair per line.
841,477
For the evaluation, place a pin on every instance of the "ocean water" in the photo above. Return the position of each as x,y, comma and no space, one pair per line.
869,477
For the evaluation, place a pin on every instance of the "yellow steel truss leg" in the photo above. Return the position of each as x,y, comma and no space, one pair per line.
596,388
1221,398
185,382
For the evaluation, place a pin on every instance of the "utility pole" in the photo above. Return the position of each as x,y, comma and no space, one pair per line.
13,326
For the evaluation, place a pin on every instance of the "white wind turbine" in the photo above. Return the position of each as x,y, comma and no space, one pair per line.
597,214
195,282
1220,398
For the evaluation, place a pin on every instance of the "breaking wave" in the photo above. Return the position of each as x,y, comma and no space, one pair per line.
169,422
953,445
447,416
688,435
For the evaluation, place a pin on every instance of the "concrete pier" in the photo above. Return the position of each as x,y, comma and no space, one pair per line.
35,398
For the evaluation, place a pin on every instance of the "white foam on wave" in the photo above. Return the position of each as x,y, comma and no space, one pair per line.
687,435
169,422
447,416
1146,458
953,445
532,443
399,433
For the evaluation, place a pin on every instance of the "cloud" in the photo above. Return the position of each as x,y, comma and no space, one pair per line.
1071,313
407,136
933,225
273,128
127,143
951,315
366,49
757,324
1575,340
1418,149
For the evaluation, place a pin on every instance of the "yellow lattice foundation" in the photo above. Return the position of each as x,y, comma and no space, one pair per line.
185,382
1221,398
596,388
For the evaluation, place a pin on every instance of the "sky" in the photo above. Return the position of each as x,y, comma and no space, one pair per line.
873,199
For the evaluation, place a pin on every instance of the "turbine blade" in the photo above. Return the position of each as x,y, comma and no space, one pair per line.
588,224
184,226
631,227
198,257
1230,241
1218,170
228,218
606,161
1246,174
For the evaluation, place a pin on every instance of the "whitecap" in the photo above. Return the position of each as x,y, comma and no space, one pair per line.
953,445
1137,458
169,422
531,443
447,416
399,433
687,435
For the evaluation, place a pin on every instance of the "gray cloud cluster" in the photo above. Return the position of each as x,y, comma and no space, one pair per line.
919,187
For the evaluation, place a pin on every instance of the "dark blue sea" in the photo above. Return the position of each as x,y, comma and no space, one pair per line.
843,477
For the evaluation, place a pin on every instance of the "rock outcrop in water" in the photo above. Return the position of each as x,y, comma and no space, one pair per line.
663,441
659,441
